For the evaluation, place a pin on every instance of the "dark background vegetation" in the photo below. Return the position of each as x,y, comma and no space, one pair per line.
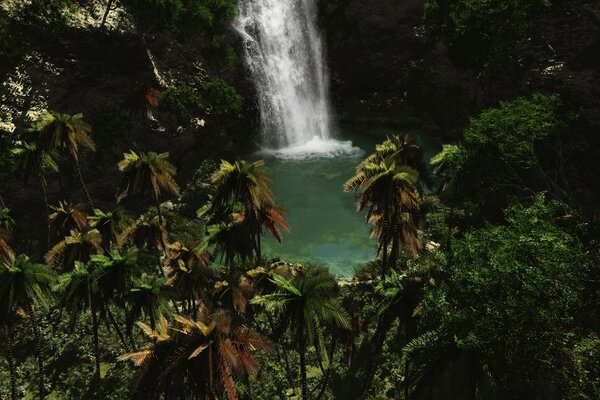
505,304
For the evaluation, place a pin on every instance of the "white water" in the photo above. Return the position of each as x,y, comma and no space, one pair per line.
284,52
315,148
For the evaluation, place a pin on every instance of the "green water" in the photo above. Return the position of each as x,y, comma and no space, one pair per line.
325,227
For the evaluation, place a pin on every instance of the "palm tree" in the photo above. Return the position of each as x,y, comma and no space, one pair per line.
392,195
247,185
147,170
63,131
67,217
114,274
145,232
148,297
109,224
24,286
31,160
79,293
302,306
231,239
271,218
78,246
149,233
401,150
196,359
188,272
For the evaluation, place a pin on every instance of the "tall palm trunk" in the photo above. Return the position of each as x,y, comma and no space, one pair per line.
157,205
373,352
384,261
95,339
394,252
282,355
12,367
81,180
258,248
113,322
302,351
38,352
47,205
329,367
105,16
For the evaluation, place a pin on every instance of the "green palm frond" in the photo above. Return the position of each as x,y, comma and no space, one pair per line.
23,284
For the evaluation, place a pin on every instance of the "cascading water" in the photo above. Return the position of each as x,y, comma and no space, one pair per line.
284,53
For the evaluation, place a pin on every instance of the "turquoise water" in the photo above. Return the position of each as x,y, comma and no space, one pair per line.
325,228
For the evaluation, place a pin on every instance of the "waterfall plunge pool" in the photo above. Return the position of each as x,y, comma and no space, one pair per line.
308,182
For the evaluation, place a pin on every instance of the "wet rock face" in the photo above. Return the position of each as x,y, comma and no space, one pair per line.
377,37
382,58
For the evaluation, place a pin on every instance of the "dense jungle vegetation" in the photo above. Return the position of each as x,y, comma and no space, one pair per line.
130,269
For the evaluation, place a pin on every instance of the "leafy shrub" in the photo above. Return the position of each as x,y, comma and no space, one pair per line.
513,294
50,12
222,55
500,151
183,101
212,13
476,29
206,14
223,98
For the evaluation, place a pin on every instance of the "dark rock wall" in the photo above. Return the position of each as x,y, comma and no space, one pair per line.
383,59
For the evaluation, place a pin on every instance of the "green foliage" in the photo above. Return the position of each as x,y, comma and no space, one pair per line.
222,55
51,13
508,287
223,98
479,29
23,285
501,152
157,13
183,101
207,15
212,13
4,33
584,371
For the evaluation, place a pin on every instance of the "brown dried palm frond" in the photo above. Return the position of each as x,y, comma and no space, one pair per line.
191,358
66,217
78,246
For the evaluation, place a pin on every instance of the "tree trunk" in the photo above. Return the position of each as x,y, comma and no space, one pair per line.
38,352
302,351
47,205
394,253
329,367
406,379
258,249
157,204
95,340
108,7
113,322
81,180
375,346
384,260
282,355
11,365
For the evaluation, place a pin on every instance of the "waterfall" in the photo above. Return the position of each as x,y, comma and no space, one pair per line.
284,52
